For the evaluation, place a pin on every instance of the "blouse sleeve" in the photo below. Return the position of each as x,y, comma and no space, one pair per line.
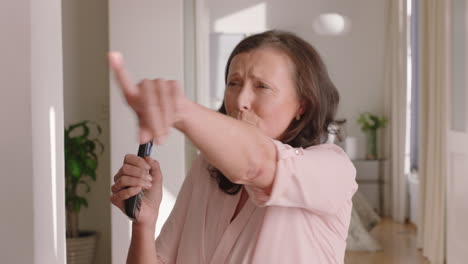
167,243
320,179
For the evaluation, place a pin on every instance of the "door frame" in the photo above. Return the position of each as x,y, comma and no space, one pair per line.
457,147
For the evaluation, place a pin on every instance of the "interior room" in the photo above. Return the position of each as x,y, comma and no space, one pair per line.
400,67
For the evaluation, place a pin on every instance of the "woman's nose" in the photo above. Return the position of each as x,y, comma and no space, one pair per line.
244,100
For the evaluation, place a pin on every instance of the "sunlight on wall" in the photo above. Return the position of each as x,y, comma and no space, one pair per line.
53,169
249,20
221,46
166,207
331,24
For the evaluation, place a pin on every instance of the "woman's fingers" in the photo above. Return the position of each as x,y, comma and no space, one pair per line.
154,195
119,198
135,175
166,101
155,171
131,93
152,115
155,102
136,161
117,65
134,171
129,181
136,168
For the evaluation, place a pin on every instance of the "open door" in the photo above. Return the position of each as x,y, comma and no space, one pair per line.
457,142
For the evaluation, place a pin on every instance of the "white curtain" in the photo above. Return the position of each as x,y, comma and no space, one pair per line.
395,105
433,125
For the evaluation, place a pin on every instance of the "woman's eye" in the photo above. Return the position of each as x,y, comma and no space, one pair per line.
262,86
233,83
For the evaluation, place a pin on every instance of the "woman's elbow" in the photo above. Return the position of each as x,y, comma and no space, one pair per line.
251,170
259,173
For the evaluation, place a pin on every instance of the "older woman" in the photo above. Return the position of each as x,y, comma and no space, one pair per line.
265,189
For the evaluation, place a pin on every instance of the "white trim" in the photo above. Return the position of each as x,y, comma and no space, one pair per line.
202,64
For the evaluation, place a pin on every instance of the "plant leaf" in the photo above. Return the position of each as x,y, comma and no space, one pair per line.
80,159
100,144
82,201
91,164
73,127
88,188
75,168
98,127
76,205
93,155
90,146
85,130
92,174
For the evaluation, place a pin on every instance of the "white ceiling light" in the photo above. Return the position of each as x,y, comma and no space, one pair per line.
331,24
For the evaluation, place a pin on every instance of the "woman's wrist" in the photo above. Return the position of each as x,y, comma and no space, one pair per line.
139,227
186,108
148,216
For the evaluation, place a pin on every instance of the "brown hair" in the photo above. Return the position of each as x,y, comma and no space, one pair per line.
314,88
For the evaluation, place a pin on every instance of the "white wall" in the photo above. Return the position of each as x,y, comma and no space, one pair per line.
32,227
16,155
150,36
86,97
354,59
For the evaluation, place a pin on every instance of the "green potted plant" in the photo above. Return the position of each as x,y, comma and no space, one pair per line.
370,123
81,162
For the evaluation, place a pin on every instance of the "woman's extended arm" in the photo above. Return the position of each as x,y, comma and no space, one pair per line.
241,151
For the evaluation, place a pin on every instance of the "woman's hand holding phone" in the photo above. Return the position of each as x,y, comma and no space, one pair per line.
138,174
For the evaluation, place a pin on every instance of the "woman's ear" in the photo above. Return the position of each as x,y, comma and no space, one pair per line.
301,108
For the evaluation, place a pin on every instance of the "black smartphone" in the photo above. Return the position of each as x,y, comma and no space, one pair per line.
133,204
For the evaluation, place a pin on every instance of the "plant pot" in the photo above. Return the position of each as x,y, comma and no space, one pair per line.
371,144
82,249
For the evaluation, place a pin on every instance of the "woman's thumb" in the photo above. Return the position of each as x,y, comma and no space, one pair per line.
154,194
155,170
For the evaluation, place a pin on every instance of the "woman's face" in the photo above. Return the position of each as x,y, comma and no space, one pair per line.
261,91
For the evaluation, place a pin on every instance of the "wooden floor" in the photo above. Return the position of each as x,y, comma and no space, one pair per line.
398,242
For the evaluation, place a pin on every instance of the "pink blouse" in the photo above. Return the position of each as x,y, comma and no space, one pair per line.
304,220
